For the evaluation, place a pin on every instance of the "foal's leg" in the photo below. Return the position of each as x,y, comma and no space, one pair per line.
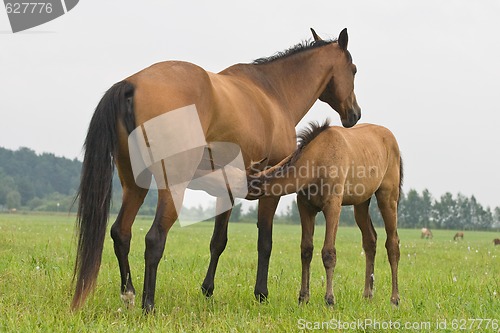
155,245
307,217
388,205
331,210
267,208
364,222
217,246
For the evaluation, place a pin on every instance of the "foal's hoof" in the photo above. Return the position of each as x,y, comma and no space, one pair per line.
303,299
395,301
329,300
208,291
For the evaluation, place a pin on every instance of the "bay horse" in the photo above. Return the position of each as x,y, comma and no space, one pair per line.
426,233
334,167
458,235
255,106
496,241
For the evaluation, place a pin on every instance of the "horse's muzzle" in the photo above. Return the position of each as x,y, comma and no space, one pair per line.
352,118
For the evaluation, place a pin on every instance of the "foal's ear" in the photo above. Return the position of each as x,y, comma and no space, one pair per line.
343,39
255,166
315,35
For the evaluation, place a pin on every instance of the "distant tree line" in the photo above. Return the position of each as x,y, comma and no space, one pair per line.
32,182
417,210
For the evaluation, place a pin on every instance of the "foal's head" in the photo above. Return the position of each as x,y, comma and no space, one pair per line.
339,92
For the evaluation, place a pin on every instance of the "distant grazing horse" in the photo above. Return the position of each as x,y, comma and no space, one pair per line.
496,241
458,235
255,106
332,167
426,233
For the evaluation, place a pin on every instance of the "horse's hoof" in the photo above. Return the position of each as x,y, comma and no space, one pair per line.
395,301
128,299
261,297
207,291
148,310
148,307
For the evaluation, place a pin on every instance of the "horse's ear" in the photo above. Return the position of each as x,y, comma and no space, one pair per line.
315,35
343,39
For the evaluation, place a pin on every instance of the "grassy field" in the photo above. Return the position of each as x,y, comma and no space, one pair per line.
444,285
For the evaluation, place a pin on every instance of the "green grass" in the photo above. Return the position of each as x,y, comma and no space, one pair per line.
440,280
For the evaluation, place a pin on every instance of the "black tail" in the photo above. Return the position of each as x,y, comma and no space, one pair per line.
96,184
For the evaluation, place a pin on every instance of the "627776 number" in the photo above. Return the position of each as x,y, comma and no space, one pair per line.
28,7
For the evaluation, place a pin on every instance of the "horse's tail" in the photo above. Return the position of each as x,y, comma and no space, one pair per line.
401,174
94,193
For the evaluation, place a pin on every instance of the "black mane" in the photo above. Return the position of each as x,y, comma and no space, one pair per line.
308,134
301,47
304,137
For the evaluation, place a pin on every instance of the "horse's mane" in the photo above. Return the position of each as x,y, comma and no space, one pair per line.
298,48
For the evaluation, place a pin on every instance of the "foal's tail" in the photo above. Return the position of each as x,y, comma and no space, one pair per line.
401,174
96,184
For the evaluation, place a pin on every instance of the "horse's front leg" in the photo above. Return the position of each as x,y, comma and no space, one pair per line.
217,246
267,208
165,217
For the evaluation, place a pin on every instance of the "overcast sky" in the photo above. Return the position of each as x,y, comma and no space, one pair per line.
427,70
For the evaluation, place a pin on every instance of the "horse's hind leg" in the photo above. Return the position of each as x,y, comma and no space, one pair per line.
307,217
364,222
388,205
217,246
165,217
329,254
121,232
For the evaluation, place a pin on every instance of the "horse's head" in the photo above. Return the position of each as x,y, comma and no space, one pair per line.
339,92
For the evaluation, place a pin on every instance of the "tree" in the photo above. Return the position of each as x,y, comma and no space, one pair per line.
444,211
7,185
409,214
236,213
293,213
464,213
496,218
13,200
252,213
426,203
